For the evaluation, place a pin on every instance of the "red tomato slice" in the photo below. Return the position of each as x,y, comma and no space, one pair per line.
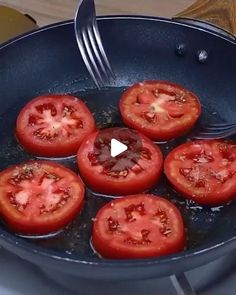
138,226
159,109
204,171
54,125
39,197
129,179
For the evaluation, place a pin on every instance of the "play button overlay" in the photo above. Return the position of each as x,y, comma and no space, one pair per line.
117,147
117,150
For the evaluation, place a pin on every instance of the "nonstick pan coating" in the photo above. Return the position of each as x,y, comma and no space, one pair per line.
48,61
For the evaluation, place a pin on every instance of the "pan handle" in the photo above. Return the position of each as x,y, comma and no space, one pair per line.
182,285
215,15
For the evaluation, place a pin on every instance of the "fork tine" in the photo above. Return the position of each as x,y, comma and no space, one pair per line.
96,49
79,39
90,43
91,56
86,58
100,46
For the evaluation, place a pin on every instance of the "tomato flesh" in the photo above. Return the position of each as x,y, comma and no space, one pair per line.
204,171
119,176
54,125
159,109
39,197
138,226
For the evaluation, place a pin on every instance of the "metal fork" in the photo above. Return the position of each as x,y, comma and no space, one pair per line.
215,131
90,43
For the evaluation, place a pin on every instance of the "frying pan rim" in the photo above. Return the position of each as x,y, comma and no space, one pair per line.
24,245
118,17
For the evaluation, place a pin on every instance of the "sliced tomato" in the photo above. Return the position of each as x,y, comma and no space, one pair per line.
159,109
131,172
39,197
54,125
204,171
138,226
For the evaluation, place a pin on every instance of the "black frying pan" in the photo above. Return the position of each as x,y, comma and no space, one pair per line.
139,48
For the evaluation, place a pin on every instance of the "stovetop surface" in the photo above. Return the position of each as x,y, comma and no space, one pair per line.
18,277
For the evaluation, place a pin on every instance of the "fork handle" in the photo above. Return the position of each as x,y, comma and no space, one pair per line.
221,13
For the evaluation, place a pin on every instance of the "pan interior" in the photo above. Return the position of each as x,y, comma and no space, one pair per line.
49,62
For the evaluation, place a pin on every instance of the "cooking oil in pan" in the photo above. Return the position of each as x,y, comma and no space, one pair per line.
75,238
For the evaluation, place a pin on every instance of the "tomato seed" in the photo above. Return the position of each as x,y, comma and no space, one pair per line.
113,224
203,158
33,120
146,154
142,241
47,106
156,92
180,98
200,183
124,173
52,176
25,174
150,117
145,233
93,159
162,216
137,168
134,208
185,171
228,152
165,231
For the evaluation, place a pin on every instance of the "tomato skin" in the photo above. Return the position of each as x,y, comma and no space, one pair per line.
58,146
200,171
131,184
112,243
29,221
183,114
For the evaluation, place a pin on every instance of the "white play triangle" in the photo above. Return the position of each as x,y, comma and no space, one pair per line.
117,147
